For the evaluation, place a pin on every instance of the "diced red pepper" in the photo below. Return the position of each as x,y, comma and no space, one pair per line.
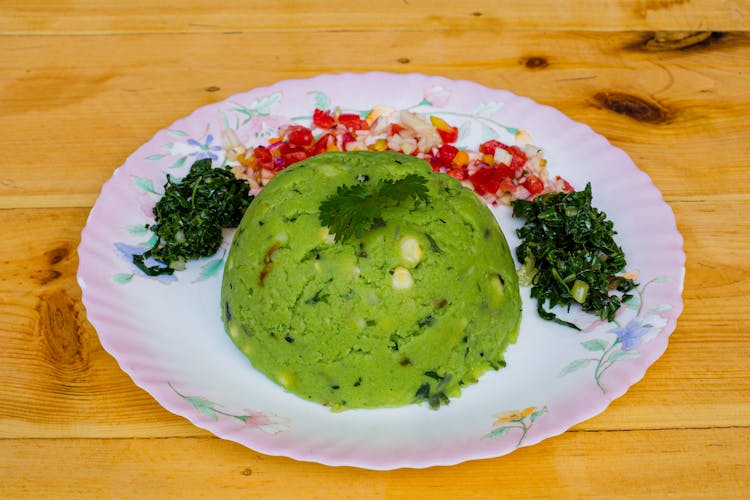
489,147
504,170
323,119
263,157
460,173
534,184
448,135
353,121
300,136
446,153
486,180
519,157
321,145
291,154
435,163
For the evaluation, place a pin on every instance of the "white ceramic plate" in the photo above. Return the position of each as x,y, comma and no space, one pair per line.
166,333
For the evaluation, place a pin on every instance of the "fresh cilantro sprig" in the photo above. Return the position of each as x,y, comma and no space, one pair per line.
354,209
569,252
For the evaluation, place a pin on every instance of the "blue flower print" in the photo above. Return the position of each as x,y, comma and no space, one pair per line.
631,334
205,150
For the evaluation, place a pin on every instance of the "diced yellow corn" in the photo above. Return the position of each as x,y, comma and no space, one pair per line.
402,279
285,378
234,330
281,237
496,291
411,252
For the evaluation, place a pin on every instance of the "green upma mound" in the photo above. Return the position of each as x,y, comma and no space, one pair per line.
422,304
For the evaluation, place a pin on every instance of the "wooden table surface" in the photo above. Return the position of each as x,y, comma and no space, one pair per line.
85,82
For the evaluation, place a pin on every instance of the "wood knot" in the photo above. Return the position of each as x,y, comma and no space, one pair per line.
676,40
59,326
403,60
535,62
635,107
57,255
213,88
45,276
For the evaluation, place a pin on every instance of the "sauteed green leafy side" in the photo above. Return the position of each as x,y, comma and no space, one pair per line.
569,255
191,214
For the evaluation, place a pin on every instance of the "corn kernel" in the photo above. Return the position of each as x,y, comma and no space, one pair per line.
234,331
402,279
281,237
496,291
285,378
411,252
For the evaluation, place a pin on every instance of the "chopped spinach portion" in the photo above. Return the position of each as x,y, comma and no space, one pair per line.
191,214
569,255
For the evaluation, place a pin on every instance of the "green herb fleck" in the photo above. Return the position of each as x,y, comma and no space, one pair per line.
319,296
435,396
426,321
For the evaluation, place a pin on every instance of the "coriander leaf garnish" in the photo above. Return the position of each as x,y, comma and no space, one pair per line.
190,215
353,210
569,254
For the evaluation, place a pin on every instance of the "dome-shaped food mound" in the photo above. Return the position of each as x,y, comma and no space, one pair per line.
421,304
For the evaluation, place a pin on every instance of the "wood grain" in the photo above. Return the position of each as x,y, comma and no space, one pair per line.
74,123
91,17
561,467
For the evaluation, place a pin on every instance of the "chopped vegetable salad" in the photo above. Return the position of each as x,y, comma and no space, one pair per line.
498,172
